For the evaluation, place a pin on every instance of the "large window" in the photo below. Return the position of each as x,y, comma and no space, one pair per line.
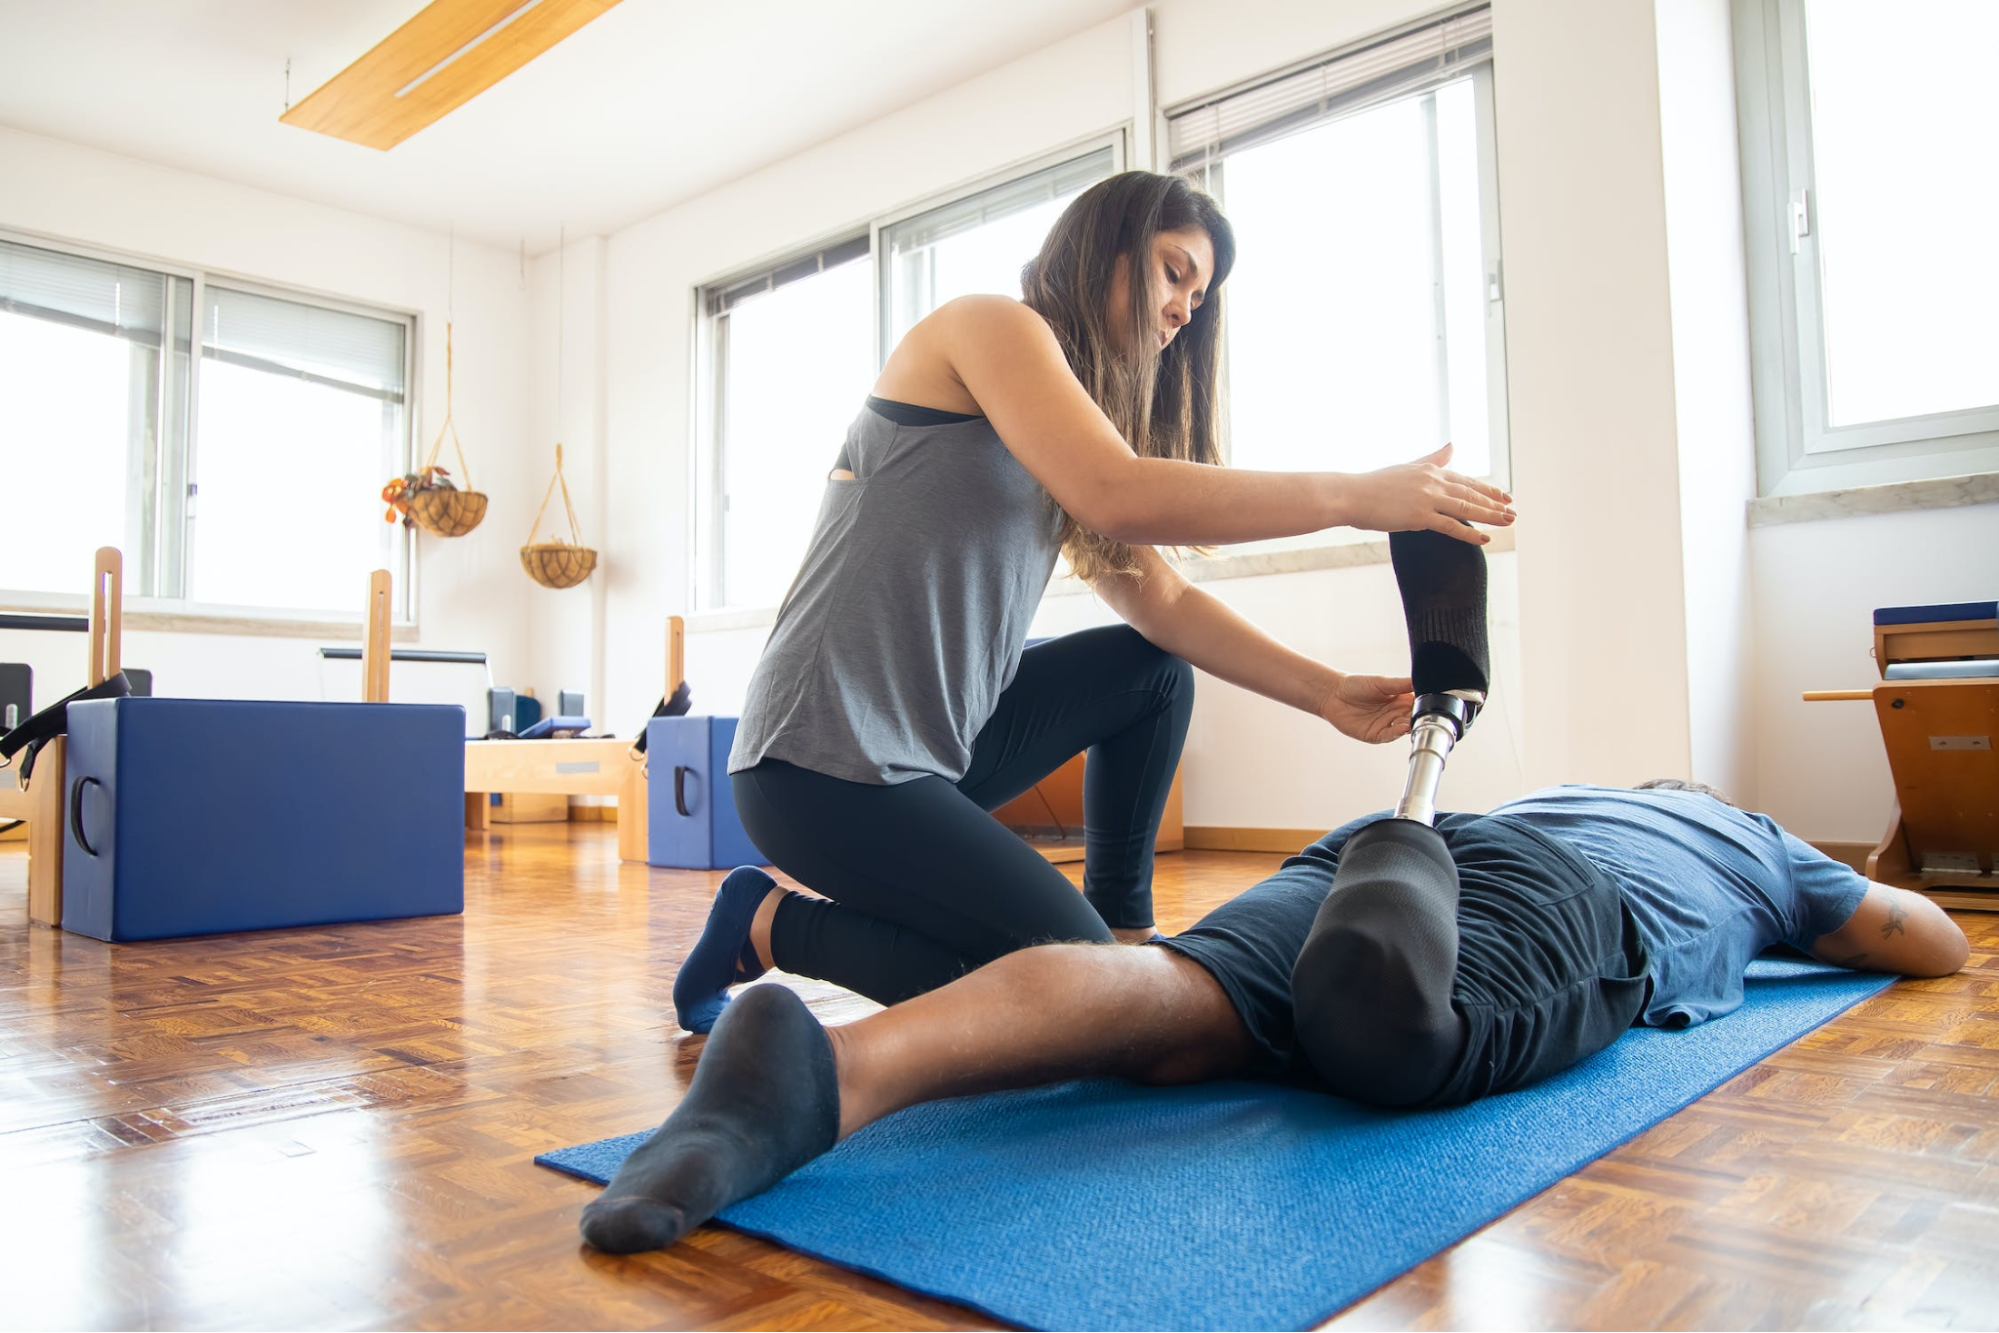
243,476
1868,133
788,353
1365,323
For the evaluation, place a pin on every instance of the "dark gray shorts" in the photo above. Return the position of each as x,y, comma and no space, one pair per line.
1550,967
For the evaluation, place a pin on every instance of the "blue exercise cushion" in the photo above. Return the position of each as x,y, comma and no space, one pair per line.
197,816
1927,615
691,820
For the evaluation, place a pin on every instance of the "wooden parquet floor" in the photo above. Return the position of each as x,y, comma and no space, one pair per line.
332,1128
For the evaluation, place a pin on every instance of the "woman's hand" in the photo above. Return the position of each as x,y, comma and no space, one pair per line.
1411,497
1370,708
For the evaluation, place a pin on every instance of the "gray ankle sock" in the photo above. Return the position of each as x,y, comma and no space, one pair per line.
764,1101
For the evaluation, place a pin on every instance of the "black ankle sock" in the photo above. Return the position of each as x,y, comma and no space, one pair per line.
1443,599
764,1102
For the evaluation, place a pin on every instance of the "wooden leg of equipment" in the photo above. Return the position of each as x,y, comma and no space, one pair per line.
45,836
633,811
1888,863
477,811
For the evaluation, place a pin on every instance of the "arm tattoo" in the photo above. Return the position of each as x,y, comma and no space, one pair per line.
1854,961
1896,915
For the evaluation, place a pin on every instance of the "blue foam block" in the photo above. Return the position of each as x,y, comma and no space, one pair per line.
195,816
691,806
1923,615
1227,1205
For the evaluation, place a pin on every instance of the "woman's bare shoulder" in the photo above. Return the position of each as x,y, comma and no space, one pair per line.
985,314
925,366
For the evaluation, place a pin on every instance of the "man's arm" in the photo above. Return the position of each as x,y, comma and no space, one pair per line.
1894,930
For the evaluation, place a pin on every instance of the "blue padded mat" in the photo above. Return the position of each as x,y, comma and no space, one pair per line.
1102,1205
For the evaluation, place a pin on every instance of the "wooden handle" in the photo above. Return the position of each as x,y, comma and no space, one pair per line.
107,614
676,654
375,646
1837,696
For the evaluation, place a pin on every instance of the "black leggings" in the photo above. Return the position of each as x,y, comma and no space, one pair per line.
924,885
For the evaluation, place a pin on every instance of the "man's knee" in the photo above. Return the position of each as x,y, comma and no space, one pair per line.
1375,1027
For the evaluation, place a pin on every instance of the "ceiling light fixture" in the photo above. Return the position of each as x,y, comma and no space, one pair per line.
449,53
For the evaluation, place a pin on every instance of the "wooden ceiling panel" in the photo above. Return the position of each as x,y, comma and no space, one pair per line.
449,53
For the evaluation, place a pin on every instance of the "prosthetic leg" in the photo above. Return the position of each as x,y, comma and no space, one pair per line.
1443,588
1372,990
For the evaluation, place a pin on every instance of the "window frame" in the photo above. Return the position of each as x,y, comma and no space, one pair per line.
1118,141
1797,453
172,541
707,472
1498,395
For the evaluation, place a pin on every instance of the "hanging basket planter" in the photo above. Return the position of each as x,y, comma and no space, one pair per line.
434,503
557,564
447,513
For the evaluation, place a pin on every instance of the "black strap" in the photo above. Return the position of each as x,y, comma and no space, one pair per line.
682,700
53,721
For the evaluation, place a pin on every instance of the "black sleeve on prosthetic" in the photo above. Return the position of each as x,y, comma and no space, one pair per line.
1371,991
1443,587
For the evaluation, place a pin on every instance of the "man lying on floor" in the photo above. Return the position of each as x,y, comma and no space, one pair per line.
1390,962
1403,961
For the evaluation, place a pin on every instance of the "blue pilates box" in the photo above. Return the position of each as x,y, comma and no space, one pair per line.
691,818
198,816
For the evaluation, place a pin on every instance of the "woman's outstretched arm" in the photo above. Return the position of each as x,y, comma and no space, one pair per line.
1008,361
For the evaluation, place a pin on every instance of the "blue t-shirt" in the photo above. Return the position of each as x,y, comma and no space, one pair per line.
1709,886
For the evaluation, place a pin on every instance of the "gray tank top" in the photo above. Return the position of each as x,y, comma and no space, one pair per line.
907,619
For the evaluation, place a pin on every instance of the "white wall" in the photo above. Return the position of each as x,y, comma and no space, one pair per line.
1708,286
1821,769
566,627
470,589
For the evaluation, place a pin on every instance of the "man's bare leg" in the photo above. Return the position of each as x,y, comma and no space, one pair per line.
773,1089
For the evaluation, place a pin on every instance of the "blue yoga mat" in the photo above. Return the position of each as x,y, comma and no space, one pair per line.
1102,1205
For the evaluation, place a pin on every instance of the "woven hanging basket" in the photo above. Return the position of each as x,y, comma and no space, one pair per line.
558,564
555,564
444,511
448,513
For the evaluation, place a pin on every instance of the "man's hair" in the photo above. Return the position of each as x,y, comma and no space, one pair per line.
1681,784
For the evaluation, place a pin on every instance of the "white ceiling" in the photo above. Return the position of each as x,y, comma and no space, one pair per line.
653,103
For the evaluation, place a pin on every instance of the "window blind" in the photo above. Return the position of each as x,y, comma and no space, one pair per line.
86,293
1383,71
722,297
927,229
332,347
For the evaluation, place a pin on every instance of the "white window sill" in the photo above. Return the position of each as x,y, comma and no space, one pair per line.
1198,569
1892,498
148,615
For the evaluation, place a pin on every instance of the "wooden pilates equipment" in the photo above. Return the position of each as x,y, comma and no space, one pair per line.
590,766
42,803
1049,815
1943,831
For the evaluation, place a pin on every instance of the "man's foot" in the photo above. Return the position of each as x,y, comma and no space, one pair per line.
765,1100
723,956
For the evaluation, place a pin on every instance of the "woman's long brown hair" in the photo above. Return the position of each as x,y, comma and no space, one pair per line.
1165,404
